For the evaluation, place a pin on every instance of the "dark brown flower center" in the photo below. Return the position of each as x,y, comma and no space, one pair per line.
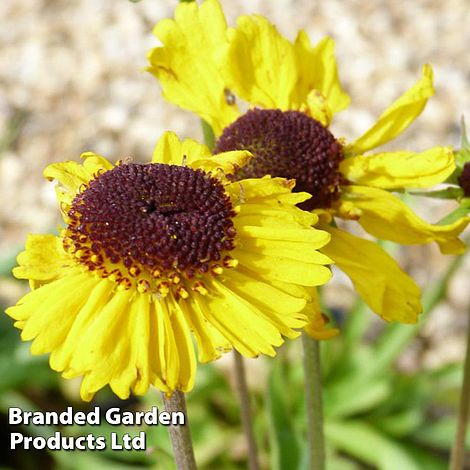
153,222
289,144
464,179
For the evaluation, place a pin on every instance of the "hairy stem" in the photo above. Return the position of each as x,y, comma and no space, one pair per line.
247,421
313,400
180,435
458,450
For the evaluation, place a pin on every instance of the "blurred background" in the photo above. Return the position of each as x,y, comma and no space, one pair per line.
71,80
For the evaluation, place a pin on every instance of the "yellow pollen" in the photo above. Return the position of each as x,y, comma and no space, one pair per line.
94,258
133,270
230,263
163,289
217,270
181,291
143,286
156,273
200,288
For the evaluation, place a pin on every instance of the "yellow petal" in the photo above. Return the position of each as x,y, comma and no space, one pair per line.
377,278
185,348
142,344
298,251
44,259
73,176
167,347
104,348
267,214
239,321
400,169
187,64
266,190
252,287
316,237
281,309
227,162
173,151
384,216
60,357
284,269
317,107
397,117
261,65
317,326
318,71
46,314
211,343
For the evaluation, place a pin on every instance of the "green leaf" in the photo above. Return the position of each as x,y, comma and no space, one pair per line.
439,435
207,132
367,444
403,423
355,396
285,448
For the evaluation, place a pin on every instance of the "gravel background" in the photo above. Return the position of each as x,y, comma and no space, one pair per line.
71,80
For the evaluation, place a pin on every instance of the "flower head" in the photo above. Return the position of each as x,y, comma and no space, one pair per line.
154,252
294,91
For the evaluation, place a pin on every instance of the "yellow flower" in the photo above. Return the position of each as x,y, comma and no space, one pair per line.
294,91
153,252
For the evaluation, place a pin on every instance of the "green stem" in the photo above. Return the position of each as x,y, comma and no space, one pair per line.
313,400
247,421
180,435
458,450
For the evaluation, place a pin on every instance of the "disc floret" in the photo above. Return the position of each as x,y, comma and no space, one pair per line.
159,228
291,145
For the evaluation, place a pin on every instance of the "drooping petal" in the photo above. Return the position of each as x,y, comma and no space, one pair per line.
187,64
211,343
43,260
60,356
55,304
103,351
240,322
403,169
317,326
184,348
377,278
283,320
385,216
397,117
318,71
261,65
